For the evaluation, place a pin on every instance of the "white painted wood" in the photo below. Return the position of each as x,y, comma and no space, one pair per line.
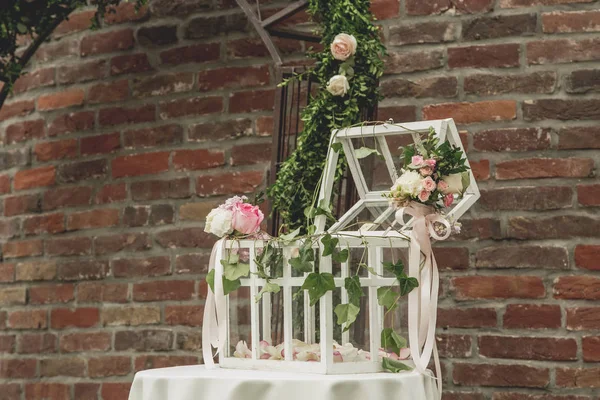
254,314
345,272
327,183
288,312
355,171
326,317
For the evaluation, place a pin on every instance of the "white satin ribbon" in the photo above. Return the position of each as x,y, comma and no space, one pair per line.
422,302
214,323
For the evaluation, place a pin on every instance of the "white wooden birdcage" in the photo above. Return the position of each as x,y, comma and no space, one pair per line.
251,320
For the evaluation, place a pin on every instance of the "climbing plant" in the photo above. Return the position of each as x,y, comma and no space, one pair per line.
297,180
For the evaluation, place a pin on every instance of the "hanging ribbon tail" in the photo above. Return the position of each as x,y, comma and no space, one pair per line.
214,323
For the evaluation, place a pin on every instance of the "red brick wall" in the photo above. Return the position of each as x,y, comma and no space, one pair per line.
120,141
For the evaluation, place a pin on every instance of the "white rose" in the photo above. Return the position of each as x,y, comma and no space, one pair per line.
454,182
218,222
409,183
343,46
338,85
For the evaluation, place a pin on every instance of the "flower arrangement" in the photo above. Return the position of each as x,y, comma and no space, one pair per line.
343,48
235,217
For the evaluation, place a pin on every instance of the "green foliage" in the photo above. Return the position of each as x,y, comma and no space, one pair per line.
346,314
233,269
269,287
228,286
394,366
390,340
299,175
306,256
317,285
355,292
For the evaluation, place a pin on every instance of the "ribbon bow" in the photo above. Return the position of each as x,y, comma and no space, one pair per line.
214,323
422,310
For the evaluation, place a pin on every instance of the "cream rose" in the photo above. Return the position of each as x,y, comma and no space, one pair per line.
338,85
409,183
218,222
454,182
343,46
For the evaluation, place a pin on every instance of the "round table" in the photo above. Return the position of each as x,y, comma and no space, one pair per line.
198,383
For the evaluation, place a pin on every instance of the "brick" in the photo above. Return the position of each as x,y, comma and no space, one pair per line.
591,348
481,170
100,144
544,168
29,319
77,22
108,92
157,35
385,9
184,315
163,290
417,7
115,390
16,205
254,47
454,346
577,288
527,198
136,216
498,287
194,106
452,258
118,116
4,184
578,377
130,64
156,361
233,77
107,42
512,139
587,257
462,396
49,223
37,343
130,316
500,375
491,85
466,317
32,178
144,340
55,101
467,113
237,182
567,226
36,271
161,85
47,391
153,190
161,214
140,164
25,130
100,367
213,131
12,295
528,348
153,137
579,138
141,267
85,341
191,160
484,56
72,246
184,237
479,228
16,109
499,26
86,391
583,81
563,51
522,256
531,3
7,272
189,341
574,21
9,228
62,49
84,317
71,122
404,62
34,80
112,193
196,211
23,248
193,264
583,318
536,110
124,242
57,150
165,8
95,292
198,53
18,368
93,219
264,125
50,294
207,27
83,269
66,197
422,32
126,12
64,366
82,72
420,88
7,343
15,157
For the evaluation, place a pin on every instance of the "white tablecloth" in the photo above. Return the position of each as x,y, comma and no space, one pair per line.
198,383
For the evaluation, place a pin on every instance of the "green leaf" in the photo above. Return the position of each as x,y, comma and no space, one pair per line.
233,271
397,269
407,284
210,280
306,255
370,269
364,152
355,292
329,244
394,366
340,256
22,28
290,236
228,286
317,285
346,314
392,341
387,297
268,288
466,180
337,147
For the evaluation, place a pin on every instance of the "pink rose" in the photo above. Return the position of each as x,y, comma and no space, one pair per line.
442,185
428,184
431,162
416,161
343,46
448,200
426,171
246,218
424,195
